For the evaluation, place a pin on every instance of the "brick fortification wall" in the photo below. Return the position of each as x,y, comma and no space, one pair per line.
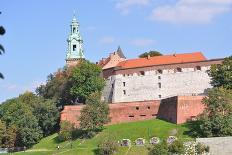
179,109
176,109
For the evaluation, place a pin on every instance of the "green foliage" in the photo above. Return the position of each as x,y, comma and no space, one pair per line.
72,85
95,114
66,131
201,148
222,74
86,80
27,118
2,131
48,115
176,147
107,147
10,136
57,88
217,117
159,149
151,53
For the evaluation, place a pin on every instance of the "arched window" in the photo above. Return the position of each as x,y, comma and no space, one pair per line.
74,30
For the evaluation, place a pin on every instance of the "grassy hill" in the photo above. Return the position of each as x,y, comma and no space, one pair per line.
132,131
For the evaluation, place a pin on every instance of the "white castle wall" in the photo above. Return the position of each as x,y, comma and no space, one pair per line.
146,87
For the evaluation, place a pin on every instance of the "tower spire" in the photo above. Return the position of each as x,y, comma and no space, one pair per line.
75,50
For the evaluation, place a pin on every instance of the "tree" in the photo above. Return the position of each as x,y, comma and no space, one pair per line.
10,138
2,132
2,50
66,130
57,88
216,120
47,115
151,53
86,80
222,74
15,112
95,114
44,110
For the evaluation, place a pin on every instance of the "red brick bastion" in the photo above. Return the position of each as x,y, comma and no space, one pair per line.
177,109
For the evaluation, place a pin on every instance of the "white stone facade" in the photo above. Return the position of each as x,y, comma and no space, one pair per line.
154,85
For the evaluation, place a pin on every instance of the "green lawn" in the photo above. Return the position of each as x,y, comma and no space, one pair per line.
132,131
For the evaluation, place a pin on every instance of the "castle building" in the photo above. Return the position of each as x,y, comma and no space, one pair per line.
75,50
169,87
159,77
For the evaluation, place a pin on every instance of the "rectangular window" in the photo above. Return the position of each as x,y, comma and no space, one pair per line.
160,96
124,84
74,47
159,84
159,77
142,73
160,71
112,85
124,92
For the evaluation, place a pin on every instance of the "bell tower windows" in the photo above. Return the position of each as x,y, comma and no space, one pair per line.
74,47
74,30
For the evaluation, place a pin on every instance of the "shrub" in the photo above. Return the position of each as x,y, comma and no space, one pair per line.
201,148
66,131
159,149
107,147
176,147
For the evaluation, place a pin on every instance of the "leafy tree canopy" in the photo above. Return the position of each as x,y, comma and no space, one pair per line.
28,117
217,117
73,85
95,114
151,53
222,74
86,80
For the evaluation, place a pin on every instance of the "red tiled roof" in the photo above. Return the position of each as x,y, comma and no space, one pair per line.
162,60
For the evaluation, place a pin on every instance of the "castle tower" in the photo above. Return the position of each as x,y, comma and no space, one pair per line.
75,51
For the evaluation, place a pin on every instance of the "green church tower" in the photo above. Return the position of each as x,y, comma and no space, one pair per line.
75,50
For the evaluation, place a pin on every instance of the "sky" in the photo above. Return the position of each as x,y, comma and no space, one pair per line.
36,33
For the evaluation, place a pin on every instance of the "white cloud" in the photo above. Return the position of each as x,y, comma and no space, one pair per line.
124,6
142,42
107,40
191,11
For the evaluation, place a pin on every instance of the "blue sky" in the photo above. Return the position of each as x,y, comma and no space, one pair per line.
35,40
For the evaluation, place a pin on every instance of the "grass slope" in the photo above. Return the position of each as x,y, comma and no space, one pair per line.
132,131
